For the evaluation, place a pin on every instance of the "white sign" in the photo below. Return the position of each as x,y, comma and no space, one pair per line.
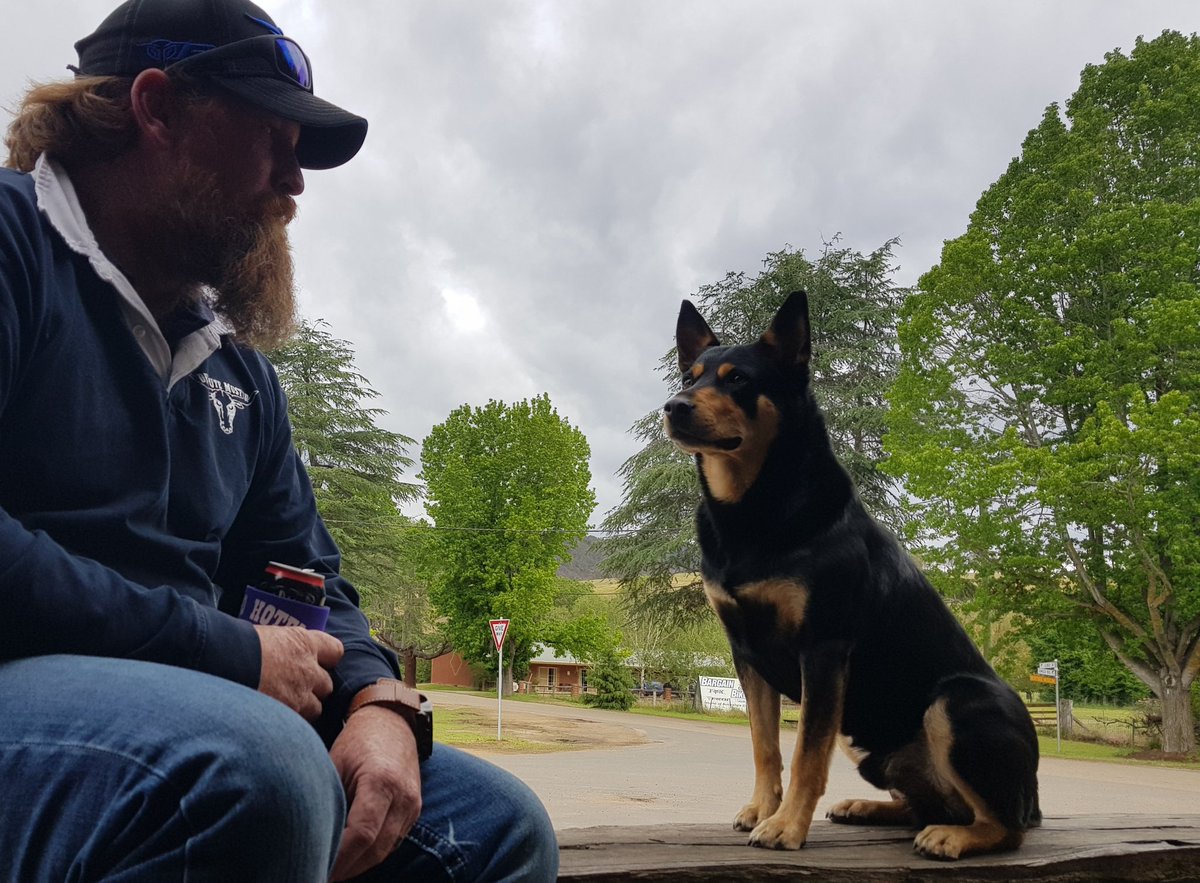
721,694
1048,669
499,630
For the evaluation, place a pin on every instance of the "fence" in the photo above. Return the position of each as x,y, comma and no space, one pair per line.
1043,715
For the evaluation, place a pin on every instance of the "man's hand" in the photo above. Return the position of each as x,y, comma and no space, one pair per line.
376,756
294,667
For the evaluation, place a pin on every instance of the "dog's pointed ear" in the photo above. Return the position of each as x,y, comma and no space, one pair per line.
789,333
692,336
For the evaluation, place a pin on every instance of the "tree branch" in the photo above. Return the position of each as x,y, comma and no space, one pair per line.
1140,670
1101,603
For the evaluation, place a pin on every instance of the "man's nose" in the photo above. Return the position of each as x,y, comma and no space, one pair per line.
289,177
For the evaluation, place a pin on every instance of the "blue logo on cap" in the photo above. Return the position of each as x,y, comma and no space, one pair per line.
166,52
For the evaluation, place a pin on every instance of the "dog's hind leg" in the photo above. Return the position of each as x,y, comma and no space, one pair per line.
823,692
762,704
981,756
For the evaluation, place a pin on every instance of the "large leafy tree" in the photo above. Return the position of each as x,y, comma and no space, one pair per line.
508,489
1047,412
854,304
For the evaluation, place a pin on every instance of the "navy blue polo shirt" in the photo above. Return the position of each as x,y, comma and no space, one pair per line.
142,486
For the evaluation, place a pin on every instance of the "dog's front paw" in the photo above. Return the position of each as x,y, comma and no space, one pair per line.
780,831
849,812
751,814
870,812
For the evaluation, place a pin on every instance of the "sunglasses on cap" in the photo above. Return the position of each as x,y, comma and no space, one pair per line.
266,55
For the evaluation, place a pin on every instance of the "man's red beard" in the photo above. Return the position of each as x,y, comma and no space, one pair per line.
240,256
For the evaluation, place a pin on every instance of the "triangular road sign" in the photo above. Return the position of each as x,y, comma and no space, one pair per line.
499,630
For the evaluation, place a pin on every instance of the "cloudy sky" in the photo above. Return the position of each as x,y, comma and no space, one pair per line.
544,181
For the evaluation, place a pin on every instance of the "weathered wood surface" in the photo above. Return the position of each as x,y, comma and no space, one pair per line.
1063,850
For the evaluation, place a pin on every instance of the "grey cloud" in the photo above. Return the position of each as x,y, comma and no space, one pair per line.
578,168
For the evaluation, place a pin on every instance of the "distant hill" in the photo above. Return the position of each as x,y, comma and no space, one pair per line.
585,561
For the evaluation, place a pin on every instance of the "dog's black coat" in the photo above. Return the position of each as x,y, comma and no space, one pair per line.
869,617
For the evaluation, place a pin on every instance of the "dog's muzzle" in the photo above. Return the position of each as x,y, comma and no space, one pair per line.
679,422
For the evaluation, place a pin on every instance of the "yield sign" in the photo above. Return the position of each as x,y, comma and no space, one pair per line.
499,630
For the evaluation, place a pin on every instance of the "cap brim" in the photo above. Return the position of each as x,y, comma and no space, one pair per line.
329,136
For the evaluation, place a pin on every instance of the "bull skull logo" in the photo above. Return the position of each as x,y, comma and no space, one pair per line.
226,399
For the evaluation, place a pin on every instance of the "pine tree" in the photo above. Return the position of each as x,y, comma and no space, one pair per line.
613,682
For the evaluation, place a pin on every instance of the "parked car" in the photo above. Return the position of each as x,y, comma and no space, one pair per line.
649,688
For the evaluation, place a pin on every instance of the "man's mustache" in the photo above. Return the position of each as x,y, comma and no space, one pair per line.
278,208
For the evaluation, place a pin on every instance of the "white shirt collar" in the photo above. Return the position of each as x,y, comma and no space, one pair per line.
58,201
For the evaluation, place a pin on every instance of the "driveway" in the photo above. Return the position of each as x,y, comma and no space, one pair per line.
683,772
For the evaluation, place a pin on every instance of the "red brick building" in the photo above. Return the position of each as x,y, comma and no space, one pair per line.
549,672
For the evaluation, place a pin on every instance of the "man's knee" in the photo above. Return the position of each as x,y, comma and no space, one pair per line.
180,769
266,782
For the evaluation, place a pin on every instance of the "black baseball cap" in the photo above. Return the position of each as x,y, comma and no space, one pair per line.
236,45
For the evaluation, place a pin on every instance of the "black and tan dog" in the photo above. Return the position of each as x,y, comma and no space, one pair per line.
821,604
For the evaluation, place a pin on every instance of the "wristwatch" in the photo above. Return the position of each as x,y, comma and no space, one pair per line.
406,702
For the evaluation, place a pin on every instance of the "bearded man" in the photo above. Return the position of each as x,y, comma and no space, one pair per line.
147,476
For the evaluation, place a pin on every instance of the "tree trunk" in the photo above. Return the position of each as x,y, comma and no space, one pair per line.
410,667
1171,683
1178,725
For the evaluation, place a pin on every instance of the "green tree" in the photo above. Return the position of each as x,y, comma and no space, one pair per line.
613,682
1047,411
404,618
336,434
854,304
1088,669
508,489
578,626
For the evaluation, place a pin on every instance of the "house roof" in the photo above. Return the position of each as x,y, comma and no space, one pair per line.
550,656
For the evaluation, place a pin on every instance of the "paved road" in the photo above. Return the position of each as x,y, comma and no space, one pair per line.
698,772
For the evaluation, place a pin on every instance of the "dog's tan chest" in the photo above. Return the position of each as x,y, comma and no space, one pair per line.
787,597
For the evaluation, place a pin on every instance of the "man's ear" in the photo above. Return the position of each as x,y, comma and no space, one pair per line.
157,107
692,336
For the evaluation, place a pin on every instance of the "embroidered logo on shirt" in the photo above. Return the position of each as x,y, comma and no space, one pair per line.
226,399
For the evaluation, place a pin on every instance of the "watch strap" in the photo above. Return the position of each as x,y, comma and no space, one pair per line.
405,701
397,695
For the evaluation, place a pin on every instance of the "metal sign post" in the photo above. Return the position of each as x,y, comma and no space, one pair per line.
1048,673
499,629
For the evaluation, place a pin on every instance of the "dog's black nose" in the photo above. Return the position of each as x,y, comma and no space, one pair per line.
678,407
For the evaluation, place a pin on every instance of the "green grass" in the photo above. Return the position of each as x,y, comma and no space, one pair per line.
458,730
712,717
464,728
1048,746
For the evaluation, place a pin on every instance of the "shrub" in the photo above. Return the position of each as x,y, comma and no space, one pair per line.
612,681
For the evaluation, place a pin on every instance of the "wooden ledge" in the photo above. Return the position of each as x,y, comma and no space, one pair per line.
1064,850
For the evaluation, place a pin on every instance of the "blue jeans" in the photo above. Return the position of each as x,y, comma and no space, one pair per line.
130,771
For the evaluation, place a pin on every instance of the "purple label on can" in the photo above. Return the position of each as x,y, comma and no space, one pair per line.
263,608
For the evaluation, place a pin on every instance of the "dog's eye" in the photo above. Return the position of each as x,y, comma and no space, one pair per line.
735,376
688,380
